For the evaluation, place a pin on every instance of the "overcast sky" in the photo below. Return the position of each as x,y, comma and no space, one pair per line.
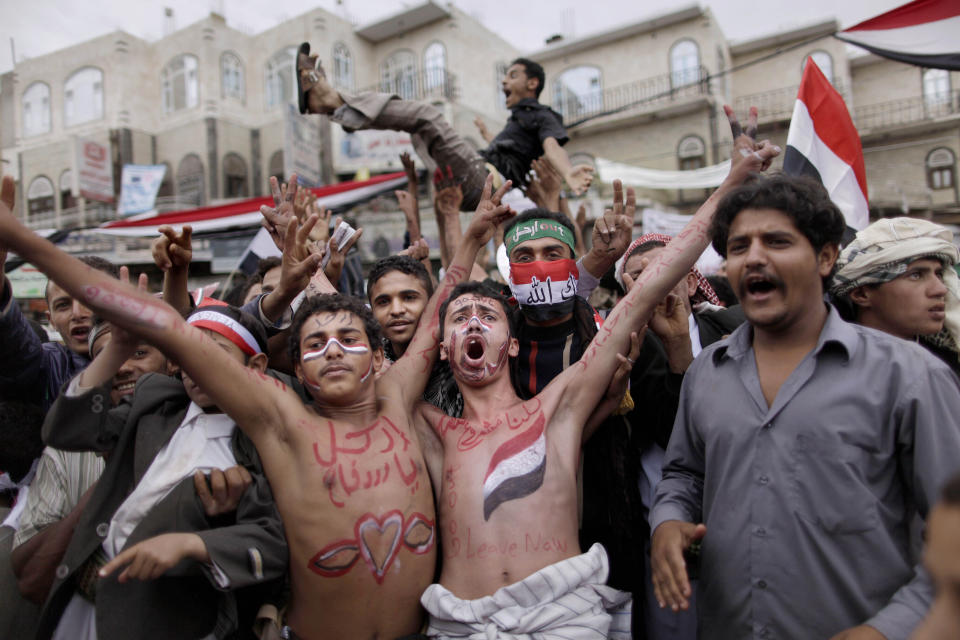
38,27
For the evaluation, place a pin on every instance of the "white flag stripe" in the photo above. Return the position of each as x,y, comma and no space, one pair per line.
930,38
837,176
516,465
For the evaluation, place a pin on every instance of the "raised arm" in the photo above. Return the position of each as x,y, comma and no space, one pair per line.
578,177
172,253
252,399
408,199
411,372
599,361
447,198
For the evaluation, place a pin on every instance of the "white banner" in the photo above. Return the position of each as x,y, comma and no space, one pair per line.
93,169
139,184
631,176
670,224
370,149
301,147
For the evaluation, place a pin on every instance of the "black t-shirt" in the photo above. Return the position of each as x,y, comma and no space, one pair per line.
521,141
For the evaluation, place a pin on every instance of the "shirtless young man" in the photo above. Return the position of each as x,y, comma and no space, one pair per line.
508,494
347,471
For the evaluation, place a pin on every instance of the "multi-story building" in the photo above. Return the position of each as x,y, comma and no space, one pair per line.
208,101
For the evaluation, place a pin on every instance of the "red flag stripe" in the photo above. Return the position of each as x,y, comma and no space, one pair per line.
832,121
910,15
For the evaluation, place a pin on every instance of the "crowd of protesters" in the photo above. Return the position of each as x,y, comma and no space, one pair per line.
773,453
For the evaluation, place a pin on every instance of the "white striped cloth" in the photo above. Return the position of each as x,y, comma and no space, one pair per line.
565,601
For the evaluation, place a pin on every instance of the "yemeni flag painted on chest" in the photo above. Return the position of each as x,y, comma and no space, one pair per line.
823,143
516,468
923,32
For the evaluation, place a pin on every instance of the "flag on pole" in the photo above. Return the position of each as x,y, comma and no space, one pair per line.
823,143
922,32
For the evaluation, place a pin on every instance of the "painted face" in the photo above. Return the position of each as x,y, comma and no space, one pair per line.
146,359
942,559
774,270
635,264
477,339
70,318
193,390
398,300
335,356
910,305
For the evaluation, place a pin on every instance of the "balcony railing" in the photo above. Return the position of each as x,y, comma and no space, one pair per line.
777,104
906,111
96,214
655,92
427,84
72,218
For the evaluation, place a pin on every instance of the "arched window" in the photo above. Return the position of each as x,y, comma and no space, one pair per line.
36,109
181,88
276,167
231,76
936,87
435,66
67,200
342,66
190,184
83,96
40,197
281,77
684,63
691,153
166,185
823,61
398,74
234,176
941,167
578,91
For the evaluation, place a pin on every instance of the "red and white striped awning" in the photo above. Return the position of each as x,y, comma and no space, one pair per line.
246,213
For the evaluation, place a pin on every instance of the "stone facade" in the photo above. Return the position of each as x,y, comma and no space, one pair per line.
649,94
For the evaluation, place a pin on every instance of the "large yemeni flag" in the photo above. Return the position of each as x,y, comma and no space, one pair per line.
922,32
823,143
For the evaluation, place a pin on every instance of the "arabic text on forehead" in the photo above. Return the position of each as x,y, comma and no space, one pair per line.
463,301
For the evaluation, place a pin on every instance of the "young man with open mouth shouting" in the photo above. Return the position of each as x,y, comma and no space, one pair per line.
347,471
508,492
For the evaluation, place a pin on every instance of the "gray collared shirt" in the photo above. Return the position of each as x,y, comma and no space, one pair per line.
808,503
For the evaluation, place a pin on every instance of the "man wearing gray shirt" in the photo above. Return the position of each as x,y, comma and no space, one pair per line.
803,445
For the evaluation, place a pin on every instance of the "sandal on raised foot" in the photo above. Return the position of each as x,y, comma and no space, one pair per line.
309,72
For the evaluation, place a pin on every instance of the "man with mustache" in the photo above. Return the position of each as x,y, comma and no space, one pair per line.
804,445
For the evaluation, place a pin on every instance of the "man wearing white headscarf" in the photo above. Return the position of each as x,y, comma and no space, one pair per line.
898,275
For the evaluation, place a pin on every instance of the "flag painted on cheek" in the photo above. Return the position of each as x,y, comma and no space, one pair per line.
516,469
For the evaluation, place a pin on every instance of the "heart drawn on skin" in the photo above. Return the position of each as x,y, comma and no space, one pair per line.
379,540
